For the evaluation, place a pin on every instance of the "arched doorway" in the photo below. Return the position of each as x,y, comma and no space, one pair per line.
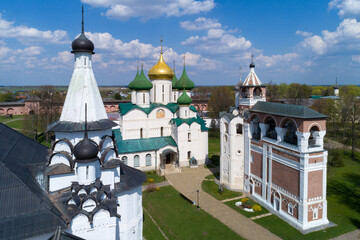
168,159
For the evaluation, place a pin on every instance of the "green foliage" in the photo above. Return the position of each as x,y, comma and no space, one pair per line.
221,99
117,96
8,97
153,177
257,208
336,158
241,210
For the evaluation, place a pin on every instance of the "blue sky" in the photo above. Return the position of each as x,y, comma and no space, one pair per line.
310,42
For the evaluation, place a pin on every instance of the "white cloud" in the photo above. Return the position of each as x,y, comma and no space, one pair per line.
302,33
63,57
356,58
145,9
29,51
269,61
346,7
25,34
315,43
200,23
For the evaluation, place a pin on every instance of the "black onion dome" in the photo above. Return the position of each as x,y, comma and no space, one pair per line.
82,44
252,65
86,151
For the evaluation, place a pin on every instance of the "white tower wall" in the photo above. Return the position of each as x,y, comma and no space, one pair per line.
142,98
161,91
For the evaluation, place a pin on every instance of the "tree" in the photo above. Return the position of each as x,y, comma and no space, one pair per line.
221,99
328,107
297,93
350,113
272,92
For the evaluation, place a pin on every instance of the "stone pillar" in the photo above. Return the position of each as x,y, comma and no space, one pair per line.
280,133
319,138
303,140
264,128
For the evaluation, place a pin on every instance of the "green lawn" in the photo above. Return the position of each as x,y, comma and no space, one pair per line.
213,176
212,188
5,119
153,175
214,151
343,205
150,230
18,124
245,213
179,219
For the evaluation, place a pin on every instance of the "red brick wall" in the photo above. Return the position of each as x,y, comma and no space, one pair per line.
256,166
258,190
315,180
286,177
310,213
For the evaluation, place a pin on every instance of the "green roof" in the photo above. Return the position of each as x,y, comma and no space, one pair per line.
288,110
142,144
135,78
126,107
140,82
192,108
184,82
174,80
189,121
184,99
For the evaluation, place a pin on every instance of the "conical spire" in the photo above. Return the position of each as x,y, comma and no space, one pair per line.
184,81
252,65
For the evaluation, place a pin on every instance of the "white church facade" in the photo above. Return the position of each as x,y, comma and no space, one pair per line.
159,129
275,152
98,196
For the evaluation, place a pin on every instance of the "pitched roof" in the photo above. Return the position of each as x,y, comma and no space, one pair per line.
189,121
126,107
288,110
25,210
252,79
142,144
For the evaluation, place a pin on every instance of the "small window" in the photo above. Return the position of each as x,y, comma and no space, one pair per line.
174,97
189,155
161,131
315,214
239,128
290,209
124,159
141,133
87,172
226,127
148,159
136,161
185,113
85,61
252,158
143,97
189,137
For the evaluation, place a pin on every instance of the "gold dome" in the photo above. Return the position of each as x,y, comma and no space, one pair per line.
161,70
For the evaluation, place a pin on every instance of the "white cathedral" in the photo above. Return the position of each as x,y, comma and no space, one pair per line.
159,130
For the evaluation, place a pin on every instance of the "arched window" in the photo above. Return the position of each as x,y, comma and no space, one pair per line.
161,131
312,138
148,159
315,214
256,128
136,161
189,155
257,92
124,159
163,93
141,133
189,137
143,97
239,127
290,136
271,131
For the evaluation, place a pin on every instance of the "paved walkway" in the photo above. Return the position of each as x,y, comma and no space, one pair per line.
189,181
354,235
155,185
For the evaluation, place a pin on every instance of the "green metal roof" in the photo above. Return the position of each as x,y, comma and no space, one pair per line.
189,121
142,144
288,110
126,107
174,80
192,108
184,82
184,99
140,82
135,78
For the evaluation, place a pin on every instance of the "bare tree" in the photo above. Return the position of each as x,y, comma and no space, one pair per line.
221,99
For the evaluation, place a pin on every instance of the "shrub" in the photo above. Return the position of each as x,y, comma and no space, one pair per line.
337,158
150,180
244,200
150,188
257,208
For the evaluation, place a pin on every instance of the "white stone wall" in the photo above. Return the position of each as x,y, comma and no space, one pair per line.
143,98
161,91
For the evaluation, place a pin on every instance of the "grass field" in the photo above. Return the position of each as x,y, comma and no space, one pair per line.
153,175
343,197
213,189
150,230
179,219
245,213
6,119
